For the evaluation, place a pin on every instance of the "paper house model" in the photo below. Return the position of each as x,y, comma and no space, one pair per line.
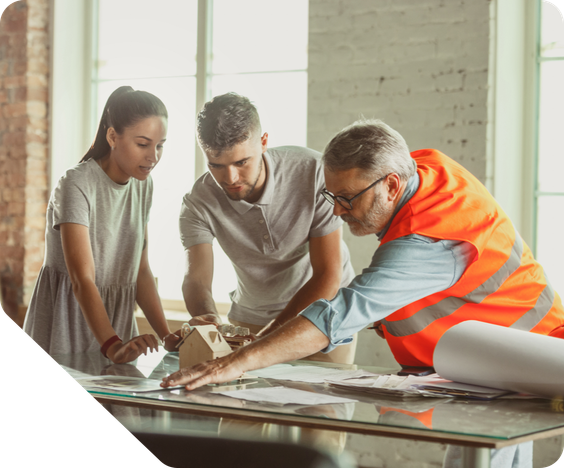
202,343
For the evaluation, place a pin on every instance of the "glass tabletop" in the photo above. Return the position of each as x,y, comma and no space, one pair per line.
501,419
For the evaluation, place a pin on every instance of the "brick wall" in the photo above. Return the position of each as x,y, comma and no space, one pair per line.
422,67
24,71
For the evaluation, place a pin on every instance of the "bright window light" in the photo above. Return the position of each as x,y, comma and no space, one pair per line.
550,156
259,50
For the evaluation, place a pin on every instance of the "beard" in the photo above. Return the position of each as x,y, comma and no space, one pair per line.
248,190
373,222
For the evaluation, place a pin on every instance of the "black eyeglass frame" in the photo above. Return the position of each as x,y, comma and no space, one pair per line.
341,200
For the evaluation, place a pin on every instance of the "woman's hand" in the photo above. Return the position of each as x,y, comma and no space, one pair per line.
126,352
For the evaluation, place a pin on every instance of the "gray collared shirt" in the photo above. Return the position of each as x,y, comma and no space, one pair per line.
266,241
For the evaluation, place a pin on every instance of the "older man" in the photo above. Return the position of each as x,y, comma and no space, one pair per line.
448,254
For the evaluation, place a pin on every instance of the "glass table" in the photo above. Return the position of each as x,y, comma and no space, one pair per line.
477,426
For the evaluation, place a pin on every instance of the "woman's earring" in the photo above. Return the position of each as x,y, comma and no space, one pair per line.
113,148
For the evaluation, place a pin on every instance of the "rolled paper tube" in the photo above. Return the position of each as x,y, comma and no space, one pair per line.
489,355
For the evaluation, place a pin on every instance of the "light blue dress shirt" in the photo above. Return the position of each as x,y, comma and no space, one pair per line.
402,271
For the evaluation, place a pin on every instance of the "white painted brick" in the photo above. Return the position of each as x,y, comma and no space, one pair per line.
429,4
449,13
327,7
422,67
361,105
472,61
378,21
330,23
356,7
476,8
448,82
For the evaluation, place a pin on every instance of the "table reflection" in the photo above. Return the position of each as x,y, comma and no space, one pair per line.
502,419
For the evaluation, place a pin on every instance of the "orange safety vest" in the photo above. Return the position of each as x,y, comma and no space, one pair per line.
503,283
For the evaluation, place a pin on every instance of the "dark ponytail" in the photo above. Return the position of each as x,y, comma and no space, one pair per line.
125,107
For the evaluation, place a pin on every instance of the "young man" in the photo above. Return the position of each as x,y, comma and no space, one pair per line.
265,208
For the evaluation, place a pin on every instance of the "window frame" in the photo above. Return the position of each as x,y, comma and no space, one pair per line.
539,60
512,111
80,19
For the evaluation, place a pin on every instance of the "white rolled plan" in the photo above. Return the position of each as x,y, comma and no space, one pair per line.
489,355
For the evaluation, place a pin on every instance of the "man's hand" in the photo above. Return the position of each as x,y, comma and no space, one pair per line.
378,329
205,319
219,370
126,352
171,340
296,339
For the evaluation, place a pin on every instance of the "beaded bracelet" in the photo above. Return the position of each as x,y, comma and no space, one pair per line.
108,343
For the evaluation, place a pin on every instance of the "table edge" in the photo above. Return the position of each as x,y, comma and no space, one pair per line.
347,426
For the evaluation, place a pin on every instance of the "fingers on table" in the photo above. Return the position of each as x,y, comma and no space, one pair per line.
191,377
140,344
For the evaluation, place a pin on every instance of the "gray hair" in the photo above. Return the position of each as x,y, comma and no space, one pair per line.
370,145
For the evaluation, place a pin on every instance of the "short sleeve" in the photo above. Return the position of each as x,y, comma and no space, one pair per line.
70,204
194,229
324,221
148,199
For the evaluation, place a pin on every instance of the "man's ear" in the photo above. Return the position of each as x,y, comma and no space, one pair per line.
393,183
264,141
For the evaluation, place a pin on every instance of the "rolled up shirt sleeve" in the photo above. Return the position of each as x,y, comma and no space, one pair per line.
402,271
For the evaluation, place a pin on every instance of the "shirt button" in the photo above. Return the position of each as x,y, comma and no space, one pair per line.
261,221
265,236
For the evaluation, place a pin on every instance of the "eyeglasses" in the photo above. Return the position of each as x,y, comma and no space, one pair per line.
346,203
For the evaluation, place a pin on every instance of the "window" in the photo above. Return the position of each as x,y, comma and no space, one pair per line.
257,48
549,189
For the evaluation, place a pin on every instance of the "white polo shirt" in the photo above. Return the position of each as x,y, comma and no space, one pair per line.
267,241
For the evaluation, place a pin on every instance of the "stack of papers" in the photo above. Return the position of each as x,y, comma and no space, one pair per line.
378,384
416,386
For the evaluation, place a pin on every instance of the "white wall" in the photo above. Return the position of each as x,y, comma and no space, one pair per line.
420,65
447,74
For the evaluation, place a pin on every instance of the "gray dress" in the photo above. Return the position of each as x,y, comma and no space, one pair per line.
116,216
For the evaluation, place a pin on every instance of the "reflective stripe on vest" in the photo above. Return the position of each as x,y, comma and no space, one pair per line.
449,305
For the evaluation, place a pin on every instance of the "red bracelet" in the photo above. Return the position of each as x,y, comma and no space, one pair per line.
108,343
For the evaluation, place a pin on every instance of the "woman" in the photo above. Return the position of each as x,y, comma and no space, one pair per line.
96,261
